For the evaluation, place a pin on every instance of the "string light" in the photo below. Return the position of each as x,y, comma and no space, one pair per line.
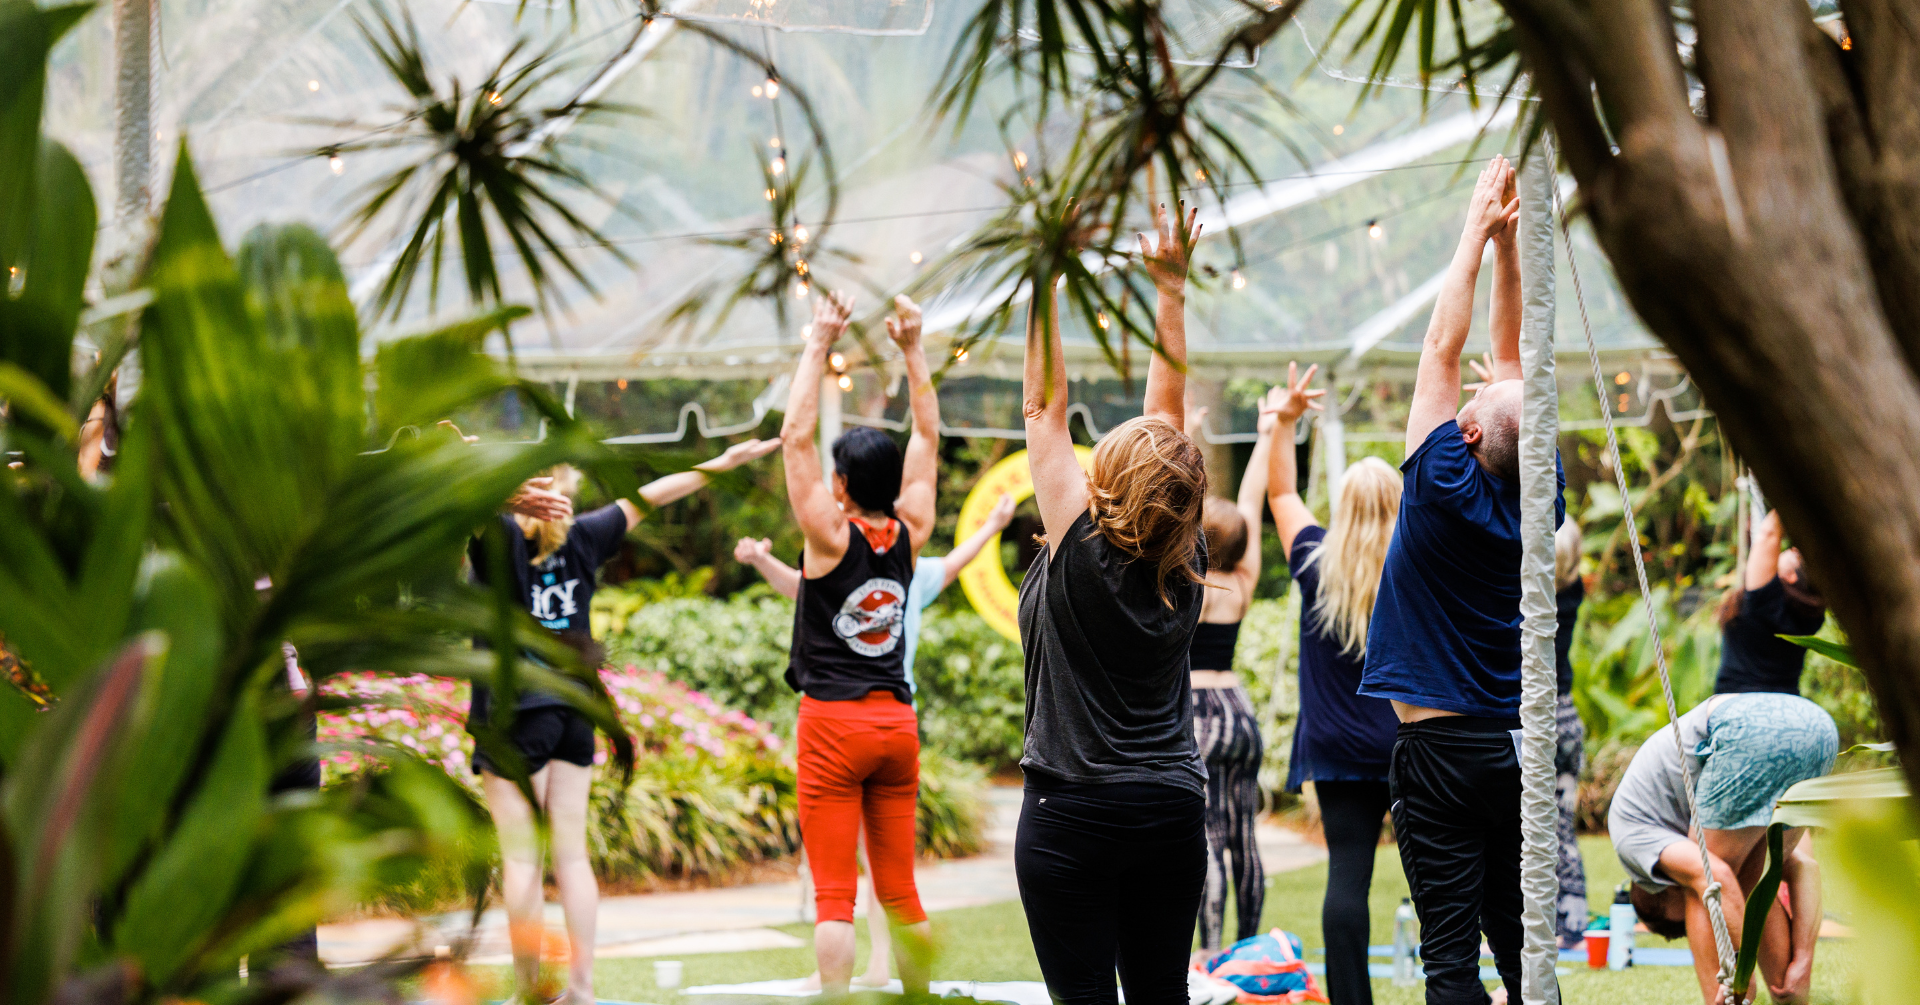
773,237
800,266
800,235
845,382
621,383
339,166
914,257
838,362
769,195
799,291
1623,400
1375,231
1101,320
1239,281
806,331
313,85
756,90
772,87
779,165
774,143
1622,377
1338,129
960,356
1019,160
493,97
1199,175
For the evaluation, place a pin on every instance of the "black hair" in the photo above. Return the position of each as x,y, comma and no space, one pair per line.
870,462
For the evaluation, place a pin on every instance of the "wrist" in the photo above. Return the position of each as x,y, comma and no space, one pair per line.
1172,291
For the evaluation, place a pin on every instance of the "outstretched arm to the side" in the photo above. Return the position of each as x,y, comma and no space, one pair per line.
919,473
782,577
1285,405
1436,387
1059,485
1166,262
819,517
966,551
681,484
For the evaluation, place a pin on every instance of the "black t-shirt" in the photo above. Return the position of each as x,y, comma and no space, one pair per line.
1107,666
558,591
848,624
1341,735
1752,656
1568,602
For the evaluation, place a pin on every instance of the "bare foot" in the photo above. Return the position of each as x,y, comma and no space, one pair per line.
869,980
812,982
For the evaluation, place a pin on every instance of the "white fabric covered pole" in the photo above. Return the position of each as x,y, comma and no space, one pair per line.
1539,433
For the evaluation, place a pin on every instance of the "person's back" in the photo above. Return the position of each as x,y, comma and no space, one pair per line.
1776,598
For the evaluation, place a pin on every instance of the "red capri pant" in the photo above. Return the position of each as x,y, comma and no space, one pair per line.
860,760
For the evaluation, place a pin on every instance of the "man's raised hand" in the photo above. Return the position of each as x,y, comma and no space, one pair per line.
1167,263
903,327
1289,401
830,314
1493,208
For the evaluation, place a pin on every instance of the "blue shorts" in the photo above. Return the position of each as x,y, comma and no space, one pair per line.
1758,745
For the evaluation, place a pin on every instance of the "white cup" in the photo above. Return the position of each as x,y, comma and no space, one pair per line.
666,973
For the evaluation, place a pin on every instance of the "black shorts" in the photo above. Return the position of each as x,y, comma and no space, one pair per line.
548,733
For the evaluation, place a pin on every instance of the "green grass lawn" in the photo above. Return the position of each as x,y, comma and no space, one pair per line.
990,944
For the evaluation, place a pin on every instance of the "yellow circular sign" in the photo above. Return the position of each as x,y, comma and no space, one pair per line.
985,581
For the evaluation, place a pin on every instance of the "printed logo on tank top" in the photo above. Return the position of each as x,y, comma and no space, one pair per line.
873,617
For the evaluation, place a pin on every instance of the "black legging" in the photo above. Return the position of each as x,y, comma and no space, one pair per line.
1110,877
1228,735
1351,813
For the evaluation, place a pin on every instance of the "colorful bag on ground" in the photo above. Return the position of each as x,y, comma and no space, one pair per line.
1267,969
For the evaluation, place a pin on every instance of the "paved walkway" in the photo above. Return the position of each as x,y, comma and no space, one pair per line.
740,918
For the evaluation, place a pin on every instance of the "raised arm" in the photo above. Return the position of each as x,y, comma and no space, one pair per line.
920,470
1436,386
966,551
1503,313
1285,405
1763,559
681,484
782,577
1253,497
819,517
1059,484
1167,265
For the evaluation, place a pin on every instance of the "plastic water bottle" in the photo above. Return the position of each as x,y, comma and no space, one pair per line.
1620,922
1403,944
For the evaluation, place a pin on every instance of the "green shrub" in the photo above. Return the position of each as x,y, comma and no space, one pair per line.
951,816
972,690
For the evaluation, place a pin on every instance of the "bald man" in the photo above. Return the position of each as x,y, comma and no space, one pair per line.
1444,642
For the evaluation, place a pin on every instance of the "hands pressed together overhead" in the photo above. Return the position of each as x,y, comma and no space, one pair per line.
1495,206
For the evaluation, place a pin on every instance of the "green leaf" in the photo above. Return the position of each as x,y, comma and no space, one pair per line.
1839,652
425,378
33,399
295,286
1760,902
27,34
184,892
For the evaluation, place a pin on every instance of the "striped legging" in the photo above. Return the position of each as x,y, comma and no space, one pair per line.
1228,735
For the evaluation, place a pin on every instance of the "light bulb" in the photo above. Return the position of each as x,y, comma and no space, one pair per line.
845,382
774,143
779,165
806,331
339,166
800,266
1338,129
313,85
1199,175
769,195
493,97
772,87
621,383
1239,281
1375,231
961,356
1019,160
799,291
837,362
773,237
1624,397
1101,320
914,257
800,234
1622,377
756,90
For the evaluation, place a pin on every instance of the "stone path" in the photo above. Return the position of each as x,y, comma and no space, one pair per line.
740,918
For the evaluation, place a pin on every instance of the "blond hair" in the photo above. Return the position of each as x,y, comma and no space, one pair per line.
1145,494
1566,554
549,535
1354,551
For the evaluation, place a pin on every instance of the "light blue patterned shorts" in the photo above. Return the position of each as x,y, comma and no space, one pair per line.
1757,746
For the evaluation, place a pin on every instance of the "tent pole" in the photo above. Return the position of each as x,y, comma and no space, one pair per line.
1539,433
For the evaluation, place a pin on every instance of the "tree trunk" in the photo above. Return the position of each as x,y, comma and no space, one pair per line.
1737,239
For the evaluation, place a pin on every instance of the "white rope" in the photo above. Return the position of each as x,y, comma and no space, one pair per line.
1723,943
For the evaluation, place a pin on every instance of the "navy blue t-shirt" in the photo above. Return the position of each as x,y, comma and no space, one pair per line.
558,591
1445,632
1341,735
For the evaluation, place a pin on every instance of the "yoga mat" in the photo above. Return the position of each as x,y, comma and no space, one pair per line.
1018,992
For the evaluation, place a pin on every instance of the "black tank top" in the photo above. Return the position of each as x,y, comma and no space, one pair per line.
847,625
1213,644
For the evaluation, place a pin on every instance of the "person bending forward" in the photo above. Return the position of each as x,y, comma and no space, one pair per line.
1444,641
1111,850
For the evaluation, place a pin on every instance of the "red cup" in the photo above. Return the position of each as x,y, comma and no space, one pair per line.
1597,949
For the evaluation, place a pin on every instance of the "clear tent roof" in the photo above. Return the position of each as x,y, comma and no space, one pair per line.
1338,253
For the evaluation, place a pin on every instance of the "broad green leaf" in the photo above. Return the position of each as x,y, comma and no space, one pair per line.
1760,901
27,34
295,286
185,890
55,268
31,398
425,378
1876,857
1839,652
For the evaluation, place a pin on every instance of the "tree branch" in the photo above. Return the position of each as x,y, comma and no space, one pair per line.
1566,94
